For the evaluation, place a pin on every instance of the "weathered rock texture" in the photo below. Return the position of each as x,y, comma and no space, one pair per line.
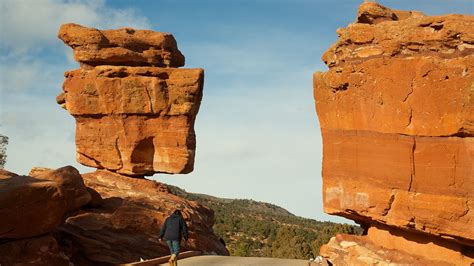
33,206
57,217
134,111
358,250
135,116
70,185
396,110
40,250
125,226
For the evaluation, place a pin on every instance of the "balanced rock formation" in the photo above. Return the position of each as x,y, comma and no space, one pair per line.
125,226
134,111
134,115
396,111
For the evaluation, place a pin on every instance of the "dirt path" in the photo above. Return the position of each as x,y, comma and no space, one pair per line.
238,261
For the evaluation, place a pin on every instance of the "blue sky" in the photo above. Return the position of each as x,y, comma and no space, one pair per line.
257,132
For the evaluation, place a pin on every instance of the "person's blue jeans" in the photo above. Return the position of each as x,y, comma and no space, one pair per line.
174,246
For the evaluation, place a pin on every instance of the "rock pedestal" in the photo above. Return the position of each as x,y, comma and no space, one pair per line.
396,112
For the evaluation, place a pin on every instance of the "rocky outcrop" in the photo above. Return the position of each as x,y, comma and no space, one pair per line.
31,209
59,217
396,112
40,250
134,111
75,194
34,206
125,226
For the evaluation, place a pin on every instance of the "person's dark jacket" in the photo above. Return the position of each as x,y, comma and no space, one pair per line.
173,227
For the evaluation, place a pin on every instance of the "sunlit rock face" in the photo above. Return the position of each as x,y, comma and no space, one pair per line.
396,110
134,109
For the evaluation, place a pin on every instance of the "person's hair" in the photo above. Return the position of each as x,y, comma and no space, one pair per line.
178,212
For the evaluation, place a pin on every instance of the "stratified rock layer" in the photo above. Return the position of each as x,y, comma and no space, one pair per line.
396,110
134,120
125,226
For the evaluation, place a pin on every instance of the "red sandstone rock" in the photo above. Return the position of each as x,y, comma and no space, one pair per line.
29,206
131,120
126,226
125,46
36,204
397,119
360,251
41,250
427,245
70,184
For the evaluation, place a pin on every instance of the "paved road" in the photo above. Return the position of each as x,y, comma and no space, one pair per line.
238,261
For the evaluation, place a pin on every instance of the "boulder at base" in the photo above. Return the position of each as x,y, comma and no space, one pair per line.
125,227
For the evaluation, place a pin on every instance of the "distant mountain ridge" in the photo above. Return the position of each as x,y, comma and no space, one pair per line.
260,229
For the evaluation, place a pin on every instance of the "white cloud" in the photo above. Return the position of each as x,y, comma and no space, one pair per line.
28,24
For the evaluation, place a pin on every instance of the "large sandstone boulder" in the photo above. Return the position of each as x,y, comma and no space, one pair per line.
133,120
70,184
396,111
29,206
125,227
37,204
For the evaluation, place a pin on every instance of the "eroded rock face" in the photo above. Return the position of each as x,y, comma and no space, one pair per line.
134,113
396,111
125,227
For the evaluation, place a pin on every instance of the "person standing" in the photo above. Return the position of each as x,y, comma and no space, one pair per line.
172,229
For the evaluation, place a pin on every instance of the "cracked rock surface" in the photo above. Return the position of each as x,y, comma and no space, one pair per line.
396,111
